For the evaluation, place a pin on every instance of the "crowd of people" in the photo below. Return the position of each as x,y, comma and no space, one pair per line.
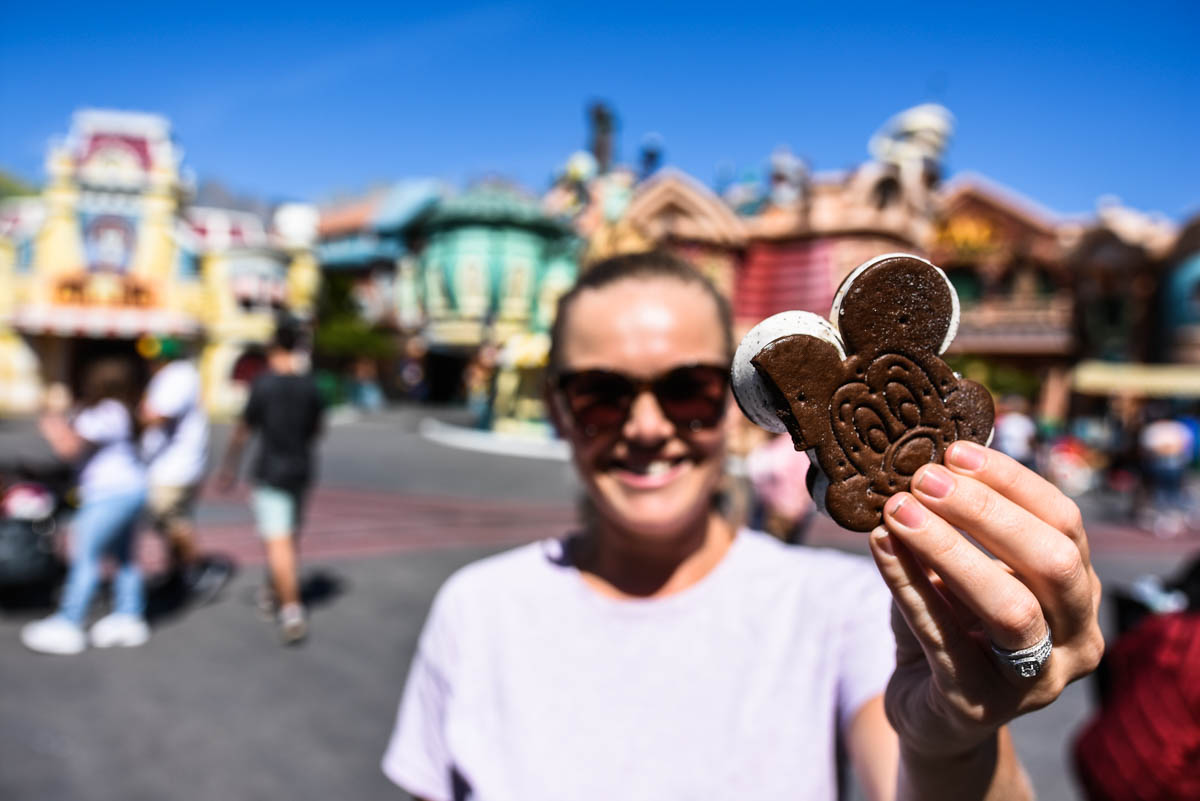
1138,454
141,458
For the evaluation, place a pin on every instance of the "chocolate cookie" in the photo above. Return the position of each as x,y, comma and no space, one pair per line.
870,400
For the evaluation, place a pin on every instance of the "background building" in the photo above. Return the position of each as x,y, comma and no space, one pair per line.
112,251
469,282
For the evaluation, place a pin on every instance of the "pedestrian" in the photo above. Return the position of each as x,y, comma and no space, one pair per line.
99,439
778,474
1166,449
285,411
659,653
1015,432
175,446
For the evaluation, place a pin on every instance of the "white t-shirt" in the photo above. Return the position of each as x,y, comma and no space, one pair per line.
1014,435
1168,442
177,450
527,684
113,467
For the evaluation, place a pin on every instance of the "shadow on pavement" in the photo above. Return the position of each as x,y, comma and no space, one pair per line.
320,587
168,595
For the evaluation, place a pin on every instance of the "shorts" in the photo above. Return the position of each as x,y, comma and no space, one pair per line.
169,506
277,511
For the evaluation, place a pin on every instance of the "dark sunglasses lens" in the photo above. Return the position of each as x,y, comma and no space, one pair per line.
693,395
597,399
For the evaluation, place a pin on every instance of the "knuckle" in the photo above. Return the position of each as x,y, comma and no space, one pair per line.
1062,565
1091,650
1071,516
1009,476
941,547
984,503
1023,616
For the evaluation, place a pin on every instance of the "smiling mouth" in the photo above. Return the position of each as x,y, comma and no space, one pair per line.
655,467
650,474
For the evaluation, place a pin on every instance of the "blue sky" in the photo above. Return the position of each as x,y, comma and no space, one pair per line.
1063,103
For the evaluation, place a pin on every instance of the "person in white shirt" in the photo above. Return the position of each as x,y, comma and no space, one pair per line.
661,653
175,445
99,440
1015,431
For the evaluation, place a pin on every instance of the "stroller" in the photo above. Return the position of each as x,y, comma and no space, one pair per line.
33,499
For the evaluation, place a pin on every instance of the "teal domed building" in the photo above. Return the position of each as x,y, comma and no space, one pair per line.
489,268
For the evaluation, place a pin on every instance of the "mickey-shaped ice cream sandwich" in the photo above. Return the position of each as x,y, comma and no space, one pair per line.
868,397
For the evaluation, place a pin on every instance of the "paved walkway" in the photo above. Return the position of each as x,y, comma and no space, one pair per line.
346,523
213,708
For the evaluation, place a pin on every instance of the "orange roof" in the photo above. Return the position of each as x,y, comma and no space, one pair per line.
347,218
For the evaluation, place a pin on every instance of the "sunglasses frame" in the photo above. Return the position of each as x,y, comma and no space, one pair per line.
560,380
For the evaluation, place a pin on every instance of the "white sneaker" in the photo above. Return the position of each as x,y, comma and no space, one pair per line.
293,628
53,635
125,631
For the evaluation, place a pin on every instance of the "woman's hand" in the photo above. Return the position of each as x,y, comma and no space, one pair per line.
950,694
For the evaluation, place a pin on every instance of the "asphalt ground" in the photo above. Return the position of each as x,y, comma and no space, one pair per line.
214,708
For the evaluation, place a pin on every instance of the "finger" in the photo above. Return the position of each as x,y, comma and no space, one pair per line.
931,631
967,620
1048,562
1025,488
1008,611
1022,486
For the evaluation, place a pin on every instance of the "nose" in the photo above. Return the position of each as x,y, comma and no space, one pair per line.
646,421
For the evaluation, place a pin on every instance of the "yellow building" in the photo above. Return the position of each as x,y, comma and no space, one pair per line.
113,251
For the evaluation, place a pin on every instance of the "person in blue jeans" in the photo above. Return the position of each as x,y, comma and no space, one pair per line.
100,440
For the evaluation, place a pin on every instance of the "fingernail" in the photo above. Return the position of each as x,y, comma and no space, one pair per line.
935,481
906,511
883,541
967,455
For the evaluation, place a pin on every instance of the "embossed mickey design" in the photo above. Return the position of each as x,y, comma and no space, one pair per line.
871,400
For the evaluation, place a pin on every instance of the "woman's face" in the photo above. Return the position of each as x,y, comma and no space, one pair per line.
648,477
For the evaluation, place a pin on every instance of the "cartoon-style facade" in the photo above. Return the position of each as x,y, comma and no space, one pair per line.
489,272
1039,292
112,252
470,282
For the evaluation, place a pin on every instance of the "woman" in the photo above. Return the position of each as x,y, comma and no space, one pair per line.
661,654
99,439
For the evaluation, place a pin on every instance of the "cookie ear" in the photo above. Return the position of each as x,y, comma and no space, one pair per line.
784,373
897,299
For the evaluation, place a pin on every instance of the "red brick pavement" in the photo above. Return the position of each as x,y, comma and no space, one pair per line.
345,523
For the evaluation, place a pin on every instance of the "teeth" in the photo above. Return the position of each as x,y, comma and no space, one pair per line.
657,468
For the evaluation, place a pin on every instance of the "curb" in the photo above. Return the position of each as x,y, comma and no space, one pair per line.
472,439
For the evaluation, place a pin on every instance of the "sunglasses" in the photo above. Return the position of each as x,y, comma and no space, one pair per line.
692,396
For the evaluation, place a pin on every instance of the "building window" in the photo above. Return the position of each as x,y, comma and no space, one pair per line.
967,284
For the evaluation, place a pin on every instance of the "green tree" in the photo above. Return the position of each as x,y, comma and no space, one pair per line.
12,186
342,334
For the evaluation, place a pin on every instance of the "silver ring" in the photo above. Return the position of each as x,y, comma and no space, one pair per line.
1027,662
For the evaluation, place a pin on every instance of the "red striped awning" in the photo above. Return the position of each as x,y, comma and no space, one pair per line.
103,321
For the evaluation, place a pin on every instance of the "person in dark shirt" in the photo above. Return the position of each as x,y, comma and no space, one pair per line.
285,411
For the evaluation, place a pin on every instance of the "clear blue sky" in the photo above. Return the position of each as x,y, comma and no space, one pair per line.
1062,102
